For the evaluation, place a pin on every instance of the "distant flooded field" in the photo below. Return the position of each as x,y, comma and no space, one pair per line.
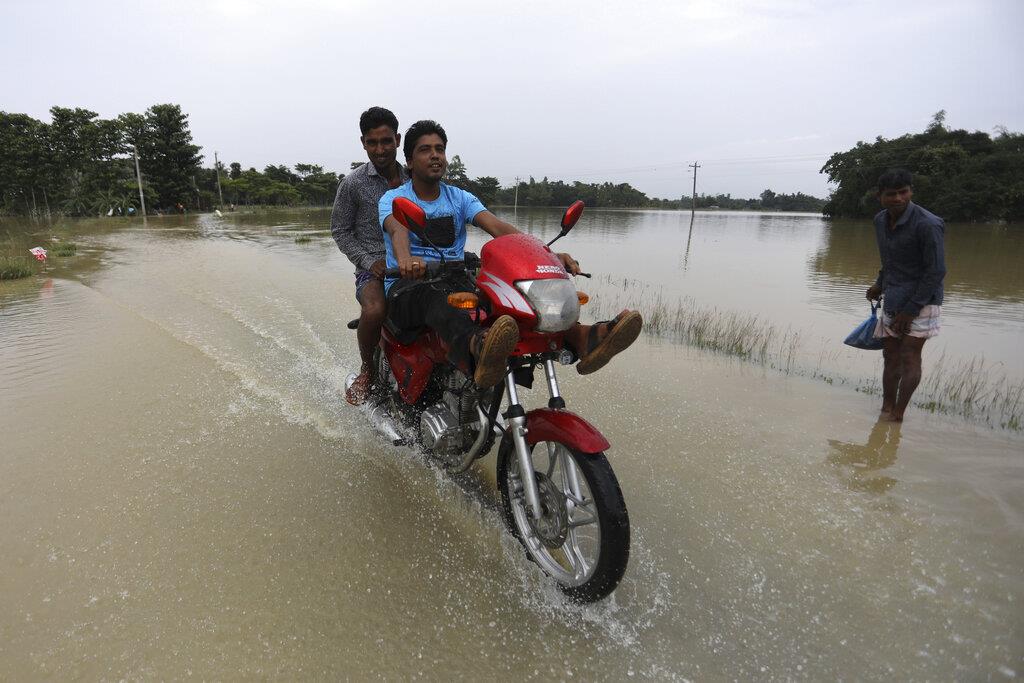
184,491
789,287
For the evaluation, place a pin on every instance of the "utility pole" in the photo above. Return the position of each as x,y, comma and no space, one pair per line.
195,186
216,167
516,206
693,200
138,176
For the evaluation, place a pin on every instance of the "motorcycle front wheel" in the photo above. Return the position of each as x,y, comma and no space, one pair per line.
582,537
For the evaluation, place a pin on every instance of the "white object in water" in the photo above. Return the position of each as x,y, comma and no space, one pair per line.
219,214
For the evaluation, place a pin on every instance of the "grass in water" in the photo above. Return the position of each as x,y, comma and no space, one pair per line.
64,249
975,390
970,389
15,267
302,239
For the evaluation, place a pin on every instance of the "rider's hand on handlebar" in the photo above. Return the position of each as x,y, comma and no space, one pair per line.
412,267
569,263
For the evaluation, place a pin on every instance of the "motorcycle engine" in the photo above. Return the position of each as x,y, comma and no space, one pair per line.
450,426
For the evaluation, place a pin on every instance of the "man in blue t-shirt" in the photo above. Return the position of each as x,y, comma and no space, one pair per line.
414,304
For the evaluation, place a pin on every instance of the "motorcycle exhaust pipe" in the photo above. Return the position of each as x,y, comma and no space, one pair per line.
383,423
379,418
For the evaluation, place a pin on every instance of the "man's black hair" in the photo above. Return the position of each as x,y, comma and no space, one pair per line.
418,130
375,117
894,179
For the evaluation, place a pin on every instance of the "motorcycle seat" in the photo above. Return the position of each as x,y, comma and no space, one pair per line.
402,336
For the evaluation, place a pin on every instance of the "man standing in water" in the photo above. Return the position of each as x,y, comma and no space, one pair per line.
355,228
910,243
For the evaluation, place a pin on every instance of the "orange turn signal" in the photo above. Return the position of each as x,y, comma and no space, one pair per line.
465,300
583,297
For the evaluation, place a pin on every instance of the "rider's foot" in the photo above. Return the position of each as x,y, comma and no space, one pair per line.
359,391
491,350
596,344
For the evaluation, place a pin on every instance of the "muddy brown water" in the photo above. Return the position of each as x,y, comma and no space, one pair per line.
183,492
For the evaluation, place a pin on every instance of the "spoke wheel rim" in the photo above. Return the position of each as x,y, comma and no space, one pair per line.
575,560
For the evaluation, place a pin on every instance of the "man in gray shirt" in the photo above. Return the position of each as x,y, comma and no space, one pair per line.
356,229
910,244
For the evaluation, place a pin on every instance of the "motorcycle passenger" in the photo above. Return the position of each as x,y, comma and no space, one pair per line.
355,228
413,304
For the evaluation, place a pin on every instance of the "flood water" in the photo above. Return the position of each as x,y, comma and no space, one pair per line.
184,492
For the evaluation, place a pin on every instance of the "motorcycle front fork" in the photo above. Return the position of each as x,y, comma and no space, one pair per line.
516,427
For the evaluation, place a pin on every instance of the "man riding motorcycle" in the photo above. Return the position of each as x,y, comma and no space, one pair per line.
413,304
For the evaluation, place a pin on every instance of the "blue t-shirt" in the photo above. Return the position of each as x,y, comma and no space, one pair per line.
447,217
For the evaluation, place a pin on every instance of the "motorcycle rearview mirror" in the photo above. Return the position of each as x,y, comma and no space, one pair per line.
410,215
569,218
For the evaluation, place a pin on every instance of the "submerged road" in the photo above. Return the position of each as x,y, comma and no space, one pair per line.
185,493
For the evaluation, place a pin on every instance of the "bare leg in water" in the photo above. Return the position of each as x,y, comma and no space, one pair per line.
373,309
901,375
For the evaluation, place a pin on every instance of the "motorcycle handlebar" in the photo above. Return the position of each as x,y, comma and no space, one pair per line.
435,268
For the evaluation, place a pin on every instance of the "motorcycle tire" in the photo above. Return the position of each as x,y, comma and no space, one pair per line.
563,543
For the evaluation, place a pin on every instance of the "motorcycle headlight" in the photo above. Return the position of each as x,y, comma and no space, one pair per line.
555,302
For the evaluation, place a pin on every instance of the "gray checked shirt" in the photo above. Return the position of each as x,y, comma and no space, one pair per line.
354,223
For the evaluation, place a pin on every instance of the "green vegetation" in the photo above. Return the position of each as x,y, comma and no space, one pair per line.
973,390
958,175
276,185
303,239
81,165
64,249
546,192
14,267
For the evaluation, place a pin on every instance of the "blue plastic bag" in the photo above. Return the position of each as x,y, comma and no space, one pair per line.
863,337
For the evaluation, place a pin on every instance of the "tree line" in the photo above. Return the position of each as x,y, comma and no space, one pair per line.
79,164
958,175
544,192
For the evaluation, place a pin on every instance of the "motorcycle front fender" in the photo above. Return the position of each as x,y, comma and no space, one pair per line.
566,427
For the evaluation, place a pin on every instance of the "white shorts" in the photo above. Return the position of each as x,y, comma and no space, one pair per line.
926,325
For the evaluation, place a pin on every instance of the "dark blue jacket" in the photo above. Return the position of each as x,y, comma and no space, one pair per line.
913,260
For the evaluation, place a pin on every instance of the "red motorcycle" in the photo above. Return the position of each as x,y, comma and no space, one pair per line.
568,511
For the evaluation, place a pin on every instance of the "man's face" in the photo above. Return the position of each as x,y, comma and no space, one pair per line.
895,200
428,159
381,144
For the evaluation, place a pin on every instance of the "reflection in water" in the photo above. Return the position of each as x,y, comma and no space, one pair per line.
865,462
982,260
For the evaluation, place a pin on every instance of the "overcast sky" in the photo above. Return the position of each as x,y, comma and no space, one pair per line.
759,93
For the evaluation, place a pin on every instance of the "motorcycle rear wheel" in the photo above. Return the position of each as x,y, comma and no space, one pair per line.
582,540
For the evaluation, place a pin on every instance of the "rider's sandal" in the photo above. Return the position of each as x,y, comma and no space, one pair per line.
492,349
622,331
360,389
